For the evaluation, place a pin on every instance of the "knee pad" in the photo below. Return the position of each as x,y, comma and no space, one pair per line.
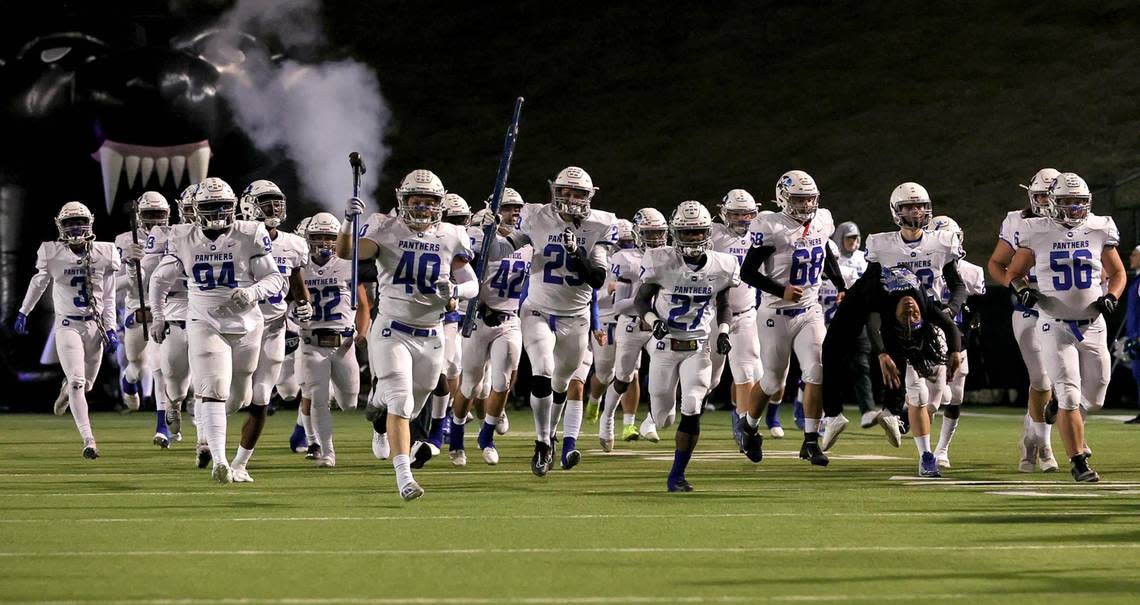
440,388
952,411
77,384
559,398
1092,406
690,424
1068,396
620,386
812,374
540,386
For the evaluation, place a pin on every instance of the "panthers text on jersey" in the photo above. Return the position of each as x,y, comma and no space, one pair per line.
742,297
81,287
925,257
290,251
1067,263
553,287
798,256
687,298
409,264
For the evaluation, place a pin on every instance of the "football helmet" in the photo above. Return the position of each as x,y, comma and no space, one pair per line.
797,195
455,210
911,194
263,201
152,210
427,207
1038,190
737,210
214,203
75,223
691,228
650,228
321,232
571,192
1070,200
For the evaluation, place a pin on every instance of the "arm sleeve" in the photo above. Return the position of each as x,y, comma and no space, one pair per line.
40,282
751,274
591,268
108,310
643,301
875,332
723,312
518,239
595,320
467,285
268,280
833,272
161,280
956,286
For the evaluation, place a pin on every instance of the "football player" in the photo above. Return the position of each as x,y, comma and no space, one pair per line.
604,354
81,273
1072,251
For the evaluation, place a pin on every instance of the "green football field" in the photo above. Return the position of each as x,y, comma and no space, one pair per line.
141,525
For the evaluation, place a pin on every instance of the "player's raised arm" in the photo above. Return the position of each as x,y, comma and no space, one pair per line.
40,282
367,248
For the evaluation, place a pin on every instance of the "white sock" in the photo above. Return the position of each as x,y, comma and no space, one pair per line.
457,419
214,426
77,398
242,456
161,401
491,420
922,443
628,419
573,422
609,406
541,407
555,415
199,429
946,433
752,422
1041,432
306,421
811,425
403,470
439,406
321,417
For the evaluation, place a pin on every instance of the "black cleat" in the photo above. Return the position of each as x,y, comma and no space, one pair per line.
204,456
313,452
750,440
90,452
682,485
1135,420
421,453
541,460
1051,411
810,451
1081,471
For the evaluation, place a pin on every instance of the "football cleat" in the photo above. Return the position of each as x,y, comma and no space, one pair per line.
835,427
411,491
648,430
1029,454
503,425
592,411
491,455
222,472
298,443
161,440
174,420
927,467
570,454
458,457
750,440
90,451
810,451
680,485
202,453
422,451
1081,471
777,432
313,452
240,474
380,447
942,457
1046,460
868,419
328,461
541,460
629,433
890,424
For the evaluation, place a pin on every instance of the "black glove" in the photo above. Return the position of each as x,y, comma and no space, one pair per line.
1026,296
492,318
1106,304
660,329
723,346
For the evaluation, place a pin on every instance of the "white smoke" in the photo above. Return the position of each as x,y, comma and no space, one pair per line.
315,113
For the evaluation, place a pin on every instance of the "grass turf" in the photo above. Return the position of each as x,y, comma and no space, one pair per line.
144,525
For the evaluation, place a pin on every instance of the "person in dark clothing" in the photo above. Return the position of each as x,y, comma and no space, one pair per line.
1132,321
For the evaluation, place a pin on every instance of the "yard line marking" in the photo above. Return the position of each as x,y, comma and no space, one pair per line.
686,515
1043,494
598,600
560,551
912,480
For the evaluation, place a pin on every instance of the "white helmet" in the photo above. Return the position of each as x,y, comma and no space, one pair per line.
1070,200
263,201
152,210
911,194
650,228
214,204
303,226
185,204
482,218
626,238
420,183
797,195
734,207
572,179
511,198
691,228
317,231
945,223
455,210
75,222
1039,187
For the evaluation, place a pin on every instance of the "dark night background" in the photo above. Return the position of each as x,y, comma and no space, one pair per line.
659,102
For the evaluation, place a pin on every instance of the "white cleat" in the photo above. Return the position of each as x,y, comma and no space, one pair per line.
174,421
411,491
328,461
161,440
776,432
1029,454
380,447
131,401
648,430
176,437
222,473
1046,460
503,426
890,424
868,419
240,474
490,455
942,457
458,457
62,401
835,427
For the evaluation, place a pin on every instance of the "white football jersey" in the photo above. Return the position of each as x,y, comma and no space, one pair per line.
553,288
687,298
215,268
126,275
177,302
800,251
857,260
829,294
974,279
1010,232
1068,264
504,279
925,257
290,251
409,263
625,271
330,289
742,297
77,290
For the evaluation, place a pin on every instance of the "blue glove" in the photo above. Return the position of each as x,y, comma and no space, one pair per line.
112,341
21,325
